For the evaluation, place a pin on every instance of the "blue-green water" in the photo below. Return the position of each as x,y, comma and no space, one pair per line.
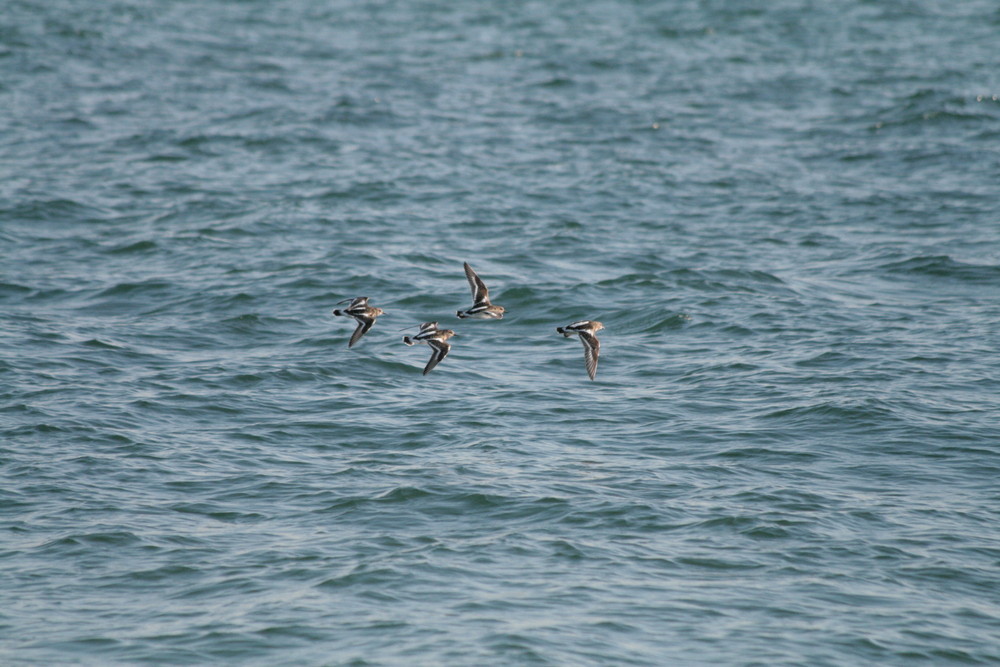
785,213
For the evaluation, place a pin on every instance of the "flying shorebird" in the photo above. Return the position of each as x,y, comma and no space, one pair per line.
363,313
586,330
436,339
425,329
481,309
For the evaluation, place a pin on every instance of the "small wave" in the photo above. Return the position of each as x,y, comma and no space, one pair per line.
827,359
718,563
686,32
943,266
752,527
372,191
765,453
754,275
214,512
222,301
556,82
670,322
112,538
628,321
360,112
526,295
403,494
136,247
633,280
738,330
253,329
727,522
935,117
13,290
167,572
135,288
729,280
163,157
374,577
250,322
865,414
102,345
41,428
54,210
308,284
931,107
245,380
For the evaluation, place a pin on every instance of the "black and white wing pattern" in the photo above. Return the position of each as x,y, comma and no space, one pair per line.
436,339
439,350
426,328
363,313
364,325
587,331
591,352
481,309
480,293
357,303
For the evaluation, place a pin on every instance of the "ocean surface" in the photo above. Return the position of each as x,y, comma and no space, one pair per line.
785,213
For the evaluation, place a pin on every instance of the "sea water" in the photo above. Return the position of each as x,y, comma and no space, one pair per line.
786,215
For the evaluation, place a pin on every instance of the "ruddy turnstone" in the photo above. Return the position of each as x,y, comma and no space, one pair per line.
481,309
436,339
363,313
425,329
586,330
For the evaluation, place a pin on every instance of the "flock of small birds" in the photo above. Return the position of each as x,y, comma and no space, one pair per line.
482,309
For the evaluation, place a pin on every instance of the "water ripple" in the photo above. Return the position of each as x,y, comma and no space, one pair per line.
785,220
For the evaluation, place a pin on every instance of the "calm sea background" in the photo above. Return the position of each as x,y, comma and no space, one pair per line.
787,215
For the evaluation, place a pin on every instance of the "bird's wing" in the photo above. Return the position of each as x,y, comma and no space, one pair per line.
364,324
480,293
591,352
440,351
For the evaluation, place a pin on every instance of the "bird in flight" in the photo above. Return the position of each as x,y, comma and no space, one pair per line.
363,313
586,330
481,309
